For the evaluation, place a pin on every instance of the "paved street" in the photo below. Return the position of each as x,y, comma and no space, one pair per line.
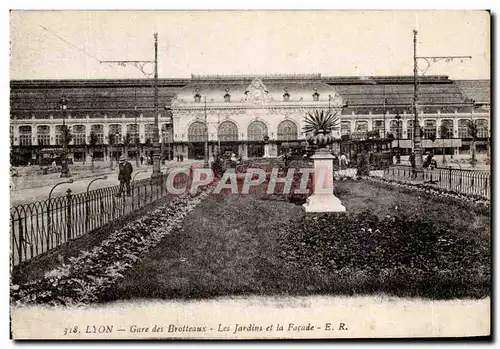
80,185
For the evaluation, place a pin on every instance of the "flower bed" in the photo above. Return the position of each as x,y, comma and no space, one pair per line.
471,201
360,253
87,276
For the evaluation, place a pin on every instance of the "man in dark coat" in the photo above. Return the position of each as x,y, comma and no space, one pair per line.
124,175
413,165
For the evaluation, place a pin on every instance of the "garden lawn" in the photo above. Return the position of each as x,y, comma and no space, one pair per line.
389,242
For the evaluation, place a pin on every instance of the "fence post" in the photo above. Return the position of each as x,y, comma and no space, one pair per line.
68,214
49,225
87,212
486,186
21,241
472,183
450,187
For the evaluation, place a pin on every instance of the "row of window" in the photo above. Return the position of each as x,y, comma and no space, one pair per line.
79,136
430,129
228,131
256,131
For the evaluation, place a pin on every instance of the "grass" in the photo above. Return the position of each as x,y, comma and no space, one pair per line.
39,265
235,245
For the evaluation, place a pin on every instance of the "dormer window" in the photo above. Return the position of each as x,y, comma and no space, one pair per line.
286,95
315,95
197,96
227,96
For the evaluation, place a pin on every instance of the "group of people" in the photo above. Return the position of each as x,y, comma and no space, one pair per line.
149,160
428,161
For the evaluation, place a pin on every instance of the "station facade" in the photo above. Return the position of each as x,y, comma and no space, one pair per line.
251,116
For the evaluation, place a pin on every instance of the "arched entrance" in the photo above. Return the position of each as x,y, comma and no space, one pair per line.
196,139
227,135
287,132
256,132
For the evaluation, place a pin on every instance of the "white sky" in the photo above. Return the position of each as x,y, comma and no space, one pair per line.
247,42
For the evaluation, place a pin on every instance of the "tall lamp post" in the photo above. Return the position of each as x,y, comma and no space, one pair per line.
139,64
136,131
205,158
156,129
429,60
398,157
65,135
170,122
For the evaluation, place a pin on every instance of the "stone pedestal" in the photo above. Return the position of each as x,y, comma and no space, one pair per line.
266,151
322,199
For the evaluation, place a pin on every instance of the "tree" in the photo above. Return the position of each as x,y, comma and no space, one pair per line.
93,140
472,127
66,135
136,141
126,142
111,141
443,133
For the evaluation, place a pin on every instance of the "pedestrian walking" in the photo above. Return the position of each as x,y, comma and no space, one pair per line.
413,165
142,159
343,161
124,175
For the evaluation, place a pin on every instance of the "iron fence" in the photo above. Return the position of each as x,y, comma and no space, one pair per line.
464,181
40,226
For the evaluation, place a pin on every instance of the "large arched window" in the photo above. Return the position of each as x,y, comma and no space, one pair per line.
446,129
98,130
43,134
482,128
463,128
115,134
79,134
196,132
227,131
410,129
378,125
430,129
133,133
25,135
287,131
361,126
166,132
396,128
256,131
149,132
345,127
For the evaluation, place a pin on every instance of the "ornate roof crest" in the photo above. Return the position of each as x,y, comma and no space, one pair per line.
257,92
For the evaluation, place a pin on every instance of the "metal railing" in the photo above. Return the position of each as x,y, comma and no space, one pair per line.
464,181
41,226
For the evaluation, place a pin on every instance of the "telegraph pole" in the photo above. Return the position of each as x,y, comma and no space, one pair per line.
206,135
156,129
429,60
417,142
136,131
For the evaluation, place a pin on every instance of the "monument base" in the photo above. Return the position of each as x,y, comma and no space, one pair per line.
323,203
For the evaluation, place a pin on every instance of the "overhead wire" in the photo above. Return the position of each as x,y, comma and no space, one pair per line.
71,44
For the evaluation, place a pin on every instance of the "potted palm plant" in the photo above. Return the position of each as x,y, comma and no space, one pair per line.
318,128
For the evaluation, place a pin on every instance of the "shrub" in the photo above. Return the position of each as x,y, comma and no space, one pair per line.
395,255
